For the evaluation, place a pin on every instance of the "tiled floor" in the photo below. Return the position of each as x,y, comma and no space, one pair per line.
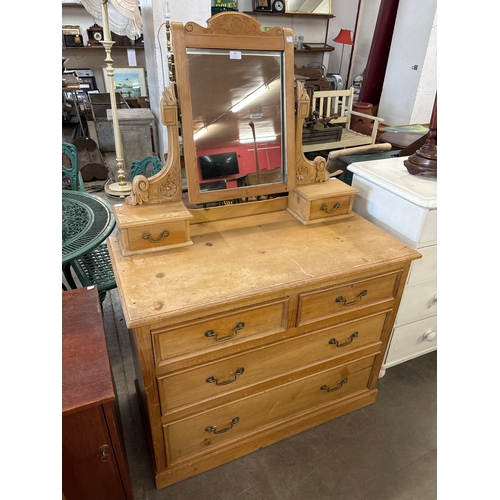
386,451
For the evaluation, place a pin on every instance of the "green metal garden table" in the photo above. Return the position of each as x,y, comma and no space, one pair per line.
87,221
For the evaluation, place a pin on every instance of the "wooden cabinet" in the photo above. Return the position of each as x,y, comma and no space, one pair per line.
93,457
406,206
261,329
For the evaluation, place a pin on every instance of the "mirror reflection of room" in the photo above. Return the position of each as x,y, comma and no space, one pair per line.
237,116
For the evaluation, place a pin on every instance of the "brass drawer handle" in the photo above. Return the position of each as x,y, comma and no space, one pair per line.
238,372
340,384
211,333
103,449
361,295
163,235
351,337
325,208
213,429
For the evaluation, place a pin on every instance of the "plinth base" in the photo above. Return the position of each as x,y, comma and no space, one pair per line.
119,190
417,164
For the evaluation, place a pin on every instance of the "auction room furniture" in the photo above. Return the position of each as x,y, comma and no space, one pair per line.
94,465
250,322
70,166
405,206
334,107
87,220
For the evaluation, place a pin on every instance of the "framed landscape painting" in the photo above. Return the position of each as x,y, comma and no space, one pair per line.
131,82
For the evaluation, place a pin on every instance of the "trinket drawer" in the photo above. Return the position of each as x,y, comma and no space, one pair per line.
262,328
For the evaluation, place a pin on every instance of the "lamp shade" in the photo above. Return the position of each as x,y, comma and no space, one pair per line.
344,37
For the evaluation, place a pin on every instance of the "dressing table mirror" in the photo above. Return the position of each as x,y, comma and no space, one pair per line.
249,322
236,95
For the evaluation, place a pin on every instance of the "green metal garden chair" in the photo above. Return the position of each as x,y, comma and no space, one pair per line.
93,267
70,166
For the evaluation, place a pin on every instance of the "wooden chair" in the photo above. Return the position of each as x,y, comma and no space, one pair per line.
335,108
70,166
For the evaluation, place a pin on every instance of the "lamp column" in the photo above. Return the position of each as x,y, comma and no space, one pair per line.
120,188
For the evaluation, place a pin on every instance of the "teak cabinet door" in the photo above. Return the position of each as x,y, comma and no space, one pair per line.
89,471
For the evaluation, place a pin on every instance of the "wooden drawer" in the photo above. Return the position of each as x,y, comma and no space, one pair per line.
250,368
326,302
408,341
418,301
150,227
212,332
319,201
208,431
155,236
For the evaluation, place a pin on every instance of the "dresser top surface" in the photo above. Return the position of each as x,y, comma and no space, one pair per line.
234,259
86,373
391,174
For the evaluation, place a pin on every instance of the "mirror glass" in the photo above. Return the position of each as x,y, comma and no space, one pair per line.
237,117
235,87
309,6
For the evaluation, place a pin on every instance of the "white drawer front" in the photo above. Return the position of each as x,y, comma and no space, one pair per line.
418,301
409,341
425,268
429,231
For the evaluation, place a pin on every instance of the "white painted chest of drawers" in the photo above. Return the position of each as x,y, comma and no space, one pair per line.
405,206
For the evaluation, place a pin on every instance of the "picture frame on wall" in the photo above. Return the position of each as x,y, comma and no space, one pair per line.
131,82
87,83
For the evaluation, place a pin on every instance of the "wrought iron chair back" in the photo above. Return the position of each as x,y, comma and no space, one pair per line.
75,177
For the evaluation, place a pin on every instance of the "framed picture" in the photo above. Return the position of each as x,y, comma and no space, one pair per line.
131,82
87,83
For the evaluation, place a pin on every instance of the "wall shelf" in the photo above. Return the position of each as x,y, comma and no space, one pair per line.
96,47
292,14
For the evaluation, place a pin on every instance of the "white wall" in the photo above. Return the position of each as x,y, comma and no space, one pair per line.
411,77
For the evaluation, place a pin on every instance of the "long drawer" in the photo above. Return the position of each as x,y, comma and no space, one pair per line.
331,301
208,431
212,332
241,371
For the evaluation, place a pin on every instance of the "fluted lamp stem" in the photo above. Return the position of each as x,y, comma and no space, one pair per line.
120,188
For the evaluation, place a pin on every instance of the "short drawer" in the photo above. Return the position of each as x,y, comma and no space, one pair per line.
410,341
320,304
331,207
429,231
211,332
157,235
425,268
250,368
208,431
321,200
418,301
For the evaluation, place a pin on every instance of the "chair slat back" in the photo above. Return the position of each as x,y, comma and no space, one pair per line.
331,103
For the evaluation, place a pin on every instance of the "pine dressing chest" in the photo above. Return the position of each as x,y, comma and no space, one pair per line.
271,313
